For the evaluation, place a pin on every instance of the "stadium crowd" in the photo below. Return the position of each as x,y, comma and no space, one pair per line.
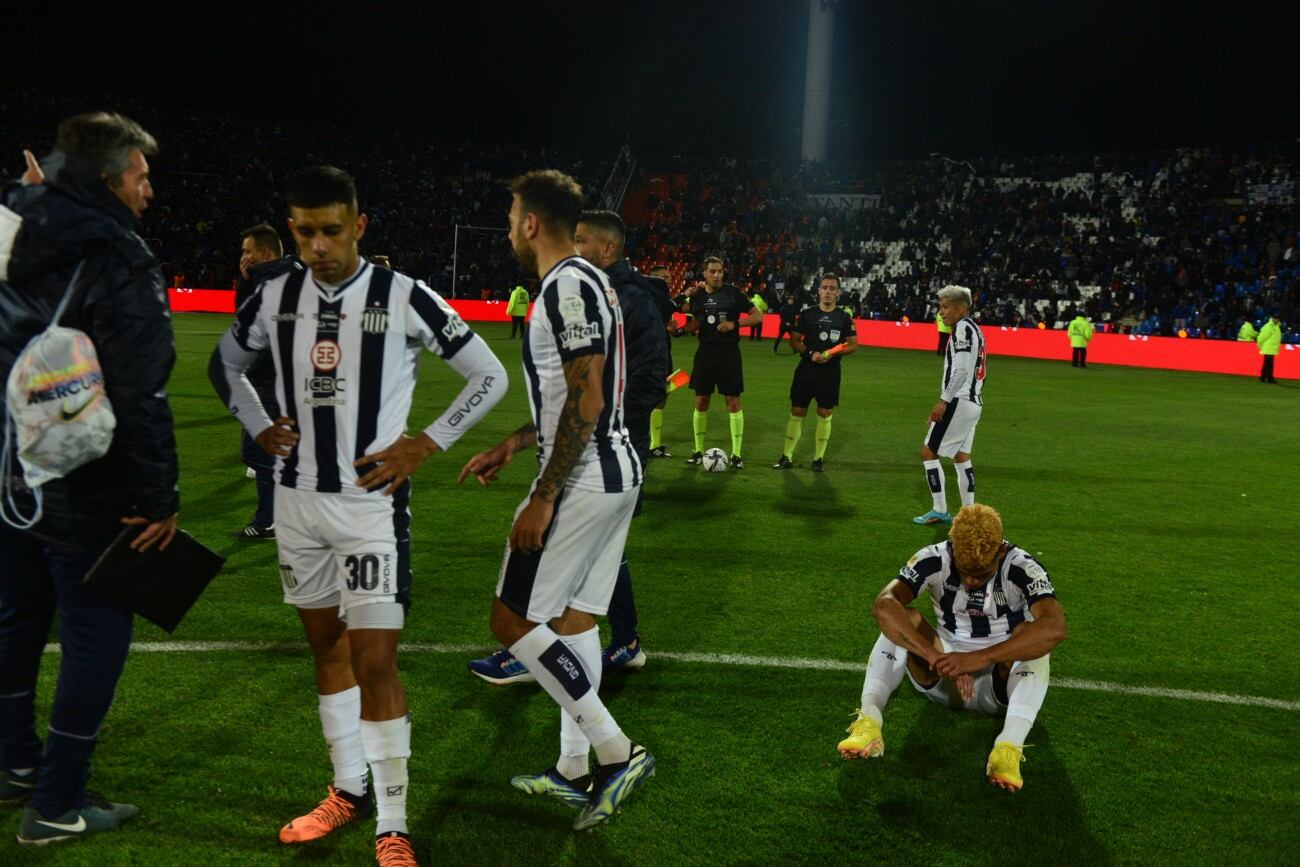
1194,239
1198,240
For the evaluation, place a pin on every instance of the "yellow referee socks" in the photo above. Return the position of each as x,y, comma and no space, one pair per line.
656,428
737,420
823,436
700,424
793,430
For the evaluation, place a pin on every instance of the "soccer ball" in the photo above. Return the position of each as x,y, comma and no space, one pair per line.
715,461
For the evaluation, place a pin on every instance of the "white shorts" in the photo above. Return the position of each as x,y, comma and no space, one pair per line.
579,560
343,550
945,692
955,432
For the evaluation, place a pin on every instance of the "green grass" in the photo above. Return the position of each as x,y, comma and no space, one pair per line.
1155,499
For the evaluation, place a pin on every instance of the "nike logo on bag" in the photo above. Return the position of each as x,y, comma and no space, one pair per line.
69,416
79,825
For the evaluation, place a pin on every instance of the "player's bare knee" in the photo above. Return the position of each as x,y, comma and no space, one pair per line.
573,622
506,625
733,404
825,413
702,402
798,411
927,454
961,457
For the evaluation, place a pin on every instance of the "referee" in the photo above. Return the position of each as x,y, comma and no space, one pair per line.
717,314
815,332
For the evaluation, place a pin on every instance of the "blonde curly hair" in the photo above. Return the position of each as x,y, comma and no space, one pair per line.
976,537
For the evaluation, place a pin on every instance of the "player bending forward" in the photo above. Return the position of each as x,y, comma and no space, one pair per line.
999,621
345,337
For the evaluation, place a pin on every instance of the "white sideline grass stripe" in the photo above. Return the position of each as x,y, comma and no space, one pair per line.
720,659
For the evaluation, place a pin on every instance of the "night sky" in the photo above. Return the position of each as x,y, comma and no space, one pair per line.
715,78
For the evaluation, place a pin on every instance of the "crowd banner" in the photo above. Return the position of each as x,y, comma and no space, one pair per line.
1130,350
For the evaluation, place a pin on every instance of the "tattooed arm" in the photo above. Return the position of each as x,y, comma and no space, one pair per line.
485,466
890,611
582,407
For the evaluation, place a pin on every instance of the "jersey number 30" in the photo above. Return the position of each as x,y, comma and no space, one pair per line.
363,571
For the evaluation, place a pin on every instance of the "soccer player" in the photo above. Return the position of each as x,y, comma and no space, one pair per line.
952,421
345,337
816,331
261,258
662,273
599,239
999,621
717,313
564,548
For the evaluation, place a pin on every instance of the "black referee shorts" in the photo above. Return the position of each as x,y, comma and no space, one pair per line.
819,382
718,367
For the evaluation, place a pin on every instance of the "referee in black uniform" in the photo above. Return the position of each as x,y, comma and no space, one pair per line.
717,312
816,331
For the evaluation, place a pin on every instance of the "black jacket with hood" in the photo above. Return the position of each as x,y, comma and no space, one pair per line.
121,303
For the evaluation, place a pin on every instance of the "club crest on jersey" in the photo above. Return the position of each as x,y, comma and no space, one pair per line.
374,320
326,355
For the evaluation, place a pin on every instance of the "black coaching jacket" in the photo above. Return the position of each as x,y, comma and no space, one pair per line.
121,303
643,329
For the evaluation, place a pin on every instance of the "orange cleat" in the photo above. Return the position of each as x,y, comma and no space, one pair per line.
394,850
335,811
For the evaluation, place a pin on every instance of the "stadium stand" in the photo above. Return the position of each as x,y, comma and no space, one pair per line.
1193,240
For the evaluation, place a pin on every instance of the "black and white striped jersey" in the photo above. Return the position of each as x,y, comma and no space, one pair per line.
345,360
964,363
577,314
986,616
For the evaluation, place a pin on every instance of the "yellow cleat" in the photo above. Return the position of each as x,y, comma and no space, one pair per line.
1004,766
864,740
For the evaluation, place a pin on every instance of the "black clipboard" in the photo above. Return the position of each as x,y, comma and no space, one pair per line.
160,586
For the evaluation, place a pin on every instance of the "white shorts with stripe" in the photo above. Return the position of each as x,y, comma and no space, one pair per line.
343,550
579,560
984,699
955,432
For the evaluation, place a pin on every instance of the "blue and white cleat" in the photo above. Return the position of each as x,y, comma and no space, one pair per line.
933,517
501,668
613,785
622,656
553,784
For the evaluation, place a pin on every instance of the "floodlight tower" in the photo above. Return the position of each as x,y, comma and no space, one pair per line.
817,78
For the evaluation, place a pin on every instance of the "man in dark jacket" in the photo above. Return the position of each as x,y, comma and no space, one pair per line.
599,238
261,258
96,185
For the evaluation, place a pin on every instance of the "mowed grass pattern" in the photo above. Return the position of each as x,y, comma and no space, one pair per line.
1162,504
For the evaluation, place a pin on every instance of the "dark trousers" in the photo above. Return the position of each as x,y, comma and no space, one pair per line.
622,605
943,340
516,323
1079,356
781,331
756,332
264,466
1266,372
39,576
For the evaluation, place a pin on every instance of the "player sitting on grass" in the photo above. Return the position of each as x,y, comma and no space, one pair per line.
999,621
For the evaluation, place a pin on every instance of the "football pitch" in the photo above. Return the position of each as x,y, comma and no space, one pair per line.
1157,500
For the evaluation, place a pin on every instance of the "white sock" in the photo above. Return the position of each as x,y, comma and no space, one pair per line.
388,746
574,745
1026,689
965,482
563,675
340,721
934,478
885,671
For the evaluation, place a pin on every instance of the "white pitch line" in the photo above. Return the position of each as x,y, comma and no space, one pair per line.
737,659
